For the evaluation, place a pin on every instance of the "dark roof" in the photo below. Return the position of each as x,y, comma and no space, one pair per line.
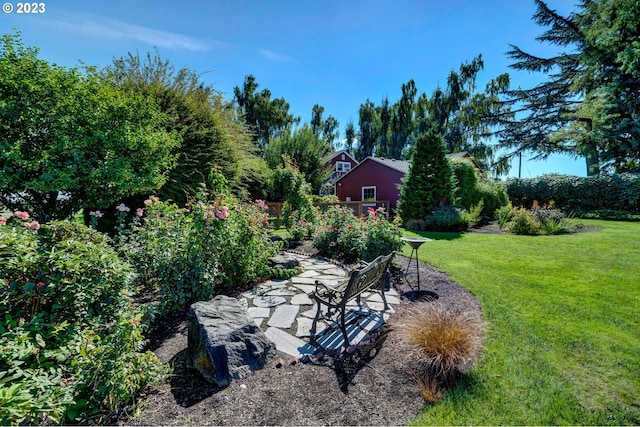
403,165
399,165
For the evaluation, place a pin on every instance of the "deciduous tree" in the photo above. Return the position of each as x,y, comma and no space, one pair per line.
69,140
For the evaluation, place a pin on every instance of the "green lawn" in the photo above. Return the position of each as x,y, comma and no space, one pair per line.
563,326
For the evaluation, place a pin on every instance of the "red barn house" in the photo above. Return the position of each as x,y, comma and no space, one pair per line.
341,163
373,179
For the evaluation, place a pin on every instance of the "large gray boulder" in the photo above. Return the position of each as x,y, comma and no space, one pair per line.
224,342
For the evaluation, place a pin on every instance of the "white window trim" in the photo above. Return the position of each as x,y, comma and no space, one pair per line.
343,163
375,195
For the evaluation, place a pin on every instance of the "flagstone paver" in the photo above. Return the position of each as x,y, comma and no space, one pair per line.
268,301
391,299
304,326
307,289
284,310
287,343
297,280
259,311
281,292
301,299
284,316
308,273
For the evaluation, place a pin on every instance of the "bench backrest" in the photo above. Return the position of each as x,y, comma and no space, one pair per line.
367,277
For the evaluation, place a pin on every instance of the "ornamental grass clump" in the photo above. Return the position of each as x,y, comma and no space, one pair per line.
441,343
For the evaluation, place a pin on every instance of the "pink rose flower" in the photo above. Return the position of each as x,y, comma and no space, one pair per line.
3,220
223,213
147,202
20,214
139,212
34,225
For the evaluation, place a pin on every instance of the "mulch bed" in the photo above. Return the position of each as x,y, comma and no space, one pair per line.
369,386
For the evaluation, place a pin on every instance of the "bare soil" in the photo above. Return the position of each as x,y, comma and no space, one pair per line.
368,387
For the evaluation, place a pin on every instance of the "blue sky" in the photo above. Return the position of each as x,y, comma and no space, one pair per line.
336,53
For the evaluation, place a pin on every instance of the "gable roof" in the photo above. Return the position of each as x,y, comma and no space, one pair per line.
337,153
403,165
398,165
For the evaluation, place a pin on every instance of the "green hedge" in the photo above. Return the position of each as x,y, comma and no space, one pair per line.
618,192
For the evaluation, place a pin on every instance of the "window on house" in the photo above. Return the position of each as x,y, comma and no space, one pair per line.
343,167
368,194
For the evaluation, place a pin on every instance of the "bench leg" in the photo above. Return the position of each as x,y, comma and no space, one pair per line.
312,332
343,326
387,281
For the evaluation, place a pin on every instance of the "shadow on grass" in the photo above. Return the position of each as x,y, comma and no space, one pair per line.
438,235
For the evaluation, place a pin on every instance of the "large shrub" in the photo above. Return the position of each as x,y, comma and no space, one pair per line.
618,192
70,337
465,192
472,188
446,218
73,133
298,207
191,254
340,234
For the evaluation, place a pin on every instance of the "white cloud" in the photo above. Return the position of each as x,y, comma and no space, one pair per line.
105,28
272,56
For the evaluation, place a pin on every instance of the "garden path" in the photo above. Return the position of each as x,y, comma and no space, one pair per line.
284,310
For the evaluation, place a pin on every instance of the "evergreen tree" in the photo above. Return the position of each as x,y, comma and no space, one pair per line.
589,104
430,178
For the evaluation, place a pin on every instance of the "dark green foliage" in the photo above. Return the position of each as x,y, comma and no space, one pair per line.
341,235
466,194
588,106
297,206
64,132
308,151
463,117
71,338
493,195
267,118
429,181
368,124
324,129
192,255
618,192
473,188
198,114
446,218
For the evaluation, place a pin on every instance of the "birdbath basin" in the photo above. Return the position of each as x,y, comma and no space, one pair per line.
415,242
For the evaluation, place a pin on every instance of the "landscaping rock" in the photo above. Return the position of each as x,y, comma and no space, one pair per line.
224,342
283,261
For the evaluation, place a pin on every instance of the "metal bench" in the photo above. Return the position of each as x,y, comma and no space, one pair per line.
372,276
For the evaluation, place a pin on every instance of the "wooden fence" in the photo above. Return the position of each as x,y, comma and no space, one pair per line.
358,208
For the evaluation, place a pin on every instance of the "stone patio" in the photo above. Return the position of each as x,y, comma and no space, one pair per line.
285,312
